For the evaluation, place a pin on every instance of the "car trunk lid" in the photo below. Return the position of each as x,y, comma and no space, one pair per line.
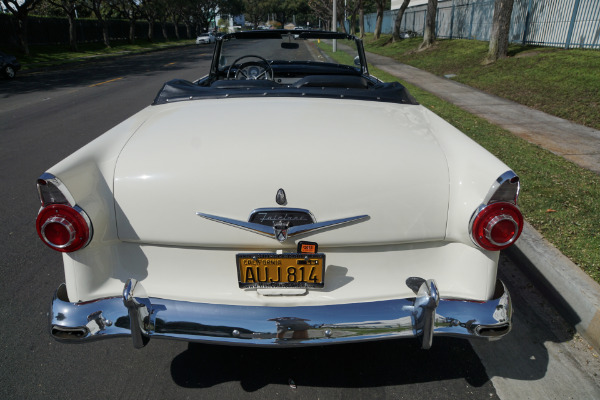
228,157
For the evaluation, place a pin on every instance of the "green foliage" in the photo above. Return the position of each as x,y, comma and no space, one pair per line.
45,9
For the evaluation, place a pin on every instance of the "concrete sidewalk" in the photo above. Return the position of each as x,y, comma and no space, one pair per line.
573,292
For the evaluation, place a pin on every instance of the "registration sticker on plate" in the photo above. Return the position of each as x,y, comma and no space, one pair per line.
280,270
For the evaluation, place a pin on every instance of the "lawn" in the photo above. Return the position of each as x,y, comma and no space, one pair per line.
46,56
565,83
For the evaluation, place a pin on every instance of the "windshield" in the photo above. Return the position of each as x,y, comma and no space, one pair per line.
288,48
286,63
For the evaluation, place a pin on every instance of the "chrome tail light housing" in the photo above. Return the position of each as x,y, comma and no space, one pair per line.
498,222
61,225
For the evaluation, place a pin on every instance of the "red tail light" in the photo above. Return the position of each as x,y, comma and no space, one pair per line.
63,228
497,225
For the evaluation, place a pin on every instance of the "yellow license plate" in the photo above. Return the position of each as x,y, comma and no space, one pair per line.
280,270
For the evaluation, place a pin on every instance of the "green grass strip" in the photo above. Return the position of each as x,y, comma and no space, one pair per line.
46,56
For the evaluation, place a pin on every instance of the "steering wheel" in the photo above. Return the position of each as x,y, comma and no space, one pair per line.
252,70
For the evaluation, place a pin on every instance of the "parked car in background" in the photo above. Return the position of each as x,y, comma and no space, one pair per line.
205,38
408,34
9,65
284,199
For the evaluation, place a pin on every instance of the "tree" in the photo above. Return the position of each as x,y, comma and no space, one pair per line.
175,14
322,9
183,9
352,7
341,11
381,5
254,9
500,30
129,10
162,13
429,35
286,9
69,9
232,7
20,9
149,11
361,19
398,22
202,12
45,8
97,8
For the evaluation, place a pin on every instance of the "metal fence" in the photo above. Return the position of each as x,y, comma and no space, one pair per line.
42,30
558,23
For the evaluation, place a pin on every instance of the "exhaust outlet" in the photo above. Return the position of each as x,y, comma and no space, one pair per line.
65,333
492,331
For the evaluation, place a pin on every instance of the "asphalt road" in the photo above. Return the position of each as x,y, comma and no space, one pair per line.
46,115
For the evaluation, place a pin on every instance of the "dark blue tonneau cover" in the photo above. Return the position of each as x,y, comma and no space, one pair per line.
182,90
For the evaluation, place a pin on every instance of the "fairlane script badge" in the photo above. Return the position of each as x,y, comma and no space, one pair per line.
281,223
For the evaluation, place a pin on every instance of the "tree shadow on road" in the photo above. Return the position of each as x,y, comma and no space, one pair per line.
102,70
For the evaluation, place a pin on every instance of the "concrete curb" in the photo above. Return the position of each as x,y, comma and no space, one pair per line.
575,294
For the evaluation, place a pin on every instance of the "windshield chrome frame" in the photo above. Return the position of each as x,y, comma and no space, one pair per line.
276,33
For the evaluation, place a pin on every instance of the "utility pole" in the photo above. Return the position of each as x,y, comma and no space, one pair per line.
334,27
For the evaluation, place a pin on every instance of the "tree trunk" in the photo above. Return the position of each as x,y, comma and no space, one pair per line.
20,10
429,35
105,34
22,33
378,24
500,30
176,23
361,20
341,20
150,30
72,30
132,31
398,22
188,29
379,21
104,24
163,25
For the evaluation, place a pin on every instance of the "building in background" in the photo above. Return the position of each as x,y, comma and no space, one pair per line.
397,3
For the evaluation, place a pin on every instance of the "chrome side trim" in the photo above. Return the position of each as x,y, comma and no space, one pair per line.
278,326
54,183
272,231
505,188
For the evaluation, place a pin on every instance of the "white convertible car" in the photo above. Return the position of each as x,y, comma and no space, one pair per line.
284,199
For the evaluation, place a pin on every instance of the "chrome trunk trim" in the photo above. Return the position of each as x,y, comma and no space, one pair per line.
275,230
144,317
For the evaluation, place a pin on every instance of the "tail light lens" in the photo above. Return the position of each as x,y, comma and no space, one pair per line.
497,225
63,228
60,225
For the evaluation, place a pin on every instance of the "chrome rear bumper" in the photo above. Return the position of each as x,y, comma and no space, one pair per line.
142,317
